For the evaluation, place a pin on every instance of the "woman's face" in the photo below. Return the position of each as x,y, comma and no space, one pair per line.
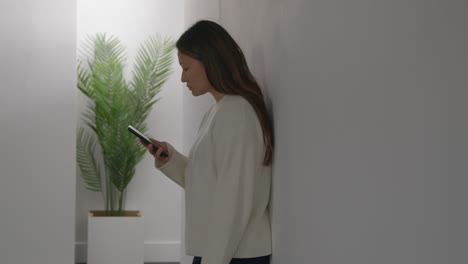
194,75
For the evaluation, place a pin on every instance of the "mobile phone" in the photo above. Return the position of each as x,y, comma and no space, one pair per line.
146,140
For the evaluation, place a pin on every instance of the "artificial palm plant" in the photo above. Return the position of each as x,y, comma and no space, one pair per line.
107,153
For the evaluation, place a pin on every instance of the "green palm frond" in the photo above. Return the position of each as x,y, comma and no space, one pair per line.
85,155
115,104
151,70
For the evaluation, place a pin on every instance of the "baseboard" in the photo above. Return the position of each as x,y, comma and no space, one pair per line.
162,251
155,251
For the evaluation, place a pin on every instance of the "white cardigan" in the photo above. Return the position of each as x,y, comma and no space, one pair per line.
227,187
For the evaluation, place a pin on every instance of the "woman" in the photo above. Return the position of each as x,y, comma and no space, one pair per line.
227,175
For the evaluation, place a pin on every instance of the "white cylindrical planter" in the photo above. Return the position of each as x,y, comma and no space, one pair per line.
115,239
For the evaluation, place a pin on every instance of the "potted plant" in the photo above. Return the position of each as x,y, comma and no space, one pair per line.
107,153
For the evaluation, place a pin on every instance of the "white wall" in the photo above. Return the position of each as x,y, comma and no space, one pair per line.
369,106
157,197
37,142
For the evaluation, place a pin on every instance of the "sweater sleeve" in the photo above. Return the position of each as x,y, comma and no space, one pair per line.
174,169
238,147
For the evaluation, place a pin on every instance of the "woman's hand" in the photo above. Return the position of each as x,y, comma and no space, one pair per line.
160,160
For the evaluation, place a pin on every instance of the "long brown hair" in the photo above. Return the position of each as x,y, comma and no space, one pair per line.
227,70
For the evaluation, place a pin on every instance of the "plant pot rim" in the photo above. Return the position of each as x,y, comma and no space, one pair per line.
102,213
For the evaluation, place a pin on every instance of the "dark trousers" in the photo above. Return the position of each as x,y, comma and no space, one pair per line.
257,260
